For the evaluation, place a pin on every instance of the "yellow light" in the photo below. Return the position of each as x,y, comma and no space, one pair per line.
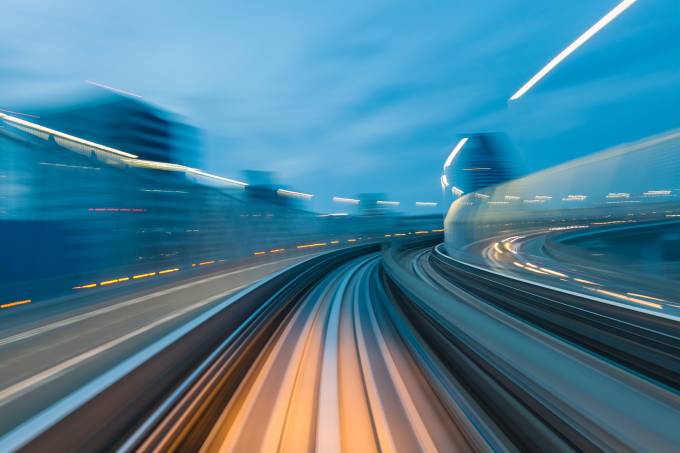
109,282
587,282
150,274
630,299
259,253
335,242
14,304
168,271
91,285
536,271
440,230
305,246
599,25
351,240
555,273
205,263
276,250
647,297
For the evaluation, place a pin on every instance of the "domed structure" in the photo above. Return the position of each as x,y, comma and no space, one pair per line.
475,162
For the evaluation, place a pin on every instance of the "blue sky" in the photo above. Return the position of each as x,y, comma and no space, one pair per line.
346,97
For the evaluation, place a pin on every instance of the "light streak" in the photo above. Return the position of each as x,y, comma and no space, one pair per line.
168,271
15,303
205,263
345,200
656,193
259,253
552,272
115,280
110,88
575,198
599,25
79,167
219,178
91,285
536,271
72,138
456,149
630,299
647,297
290,193
388,203
306,246
618,195
19,113
138,276
426,203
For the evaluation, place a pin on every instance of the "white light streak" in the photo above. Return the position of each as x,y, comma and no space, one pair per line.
292,194
426,203
110,88
599,25
345,200
388,203
37,127
19,113
656,193
456,149
618,195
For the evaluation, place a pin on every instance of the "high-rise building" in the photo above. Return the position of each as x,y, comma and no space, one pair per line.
128,124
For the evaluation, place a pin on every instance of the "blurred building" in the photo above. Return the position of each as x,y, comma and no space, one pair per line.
128,124
479,161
